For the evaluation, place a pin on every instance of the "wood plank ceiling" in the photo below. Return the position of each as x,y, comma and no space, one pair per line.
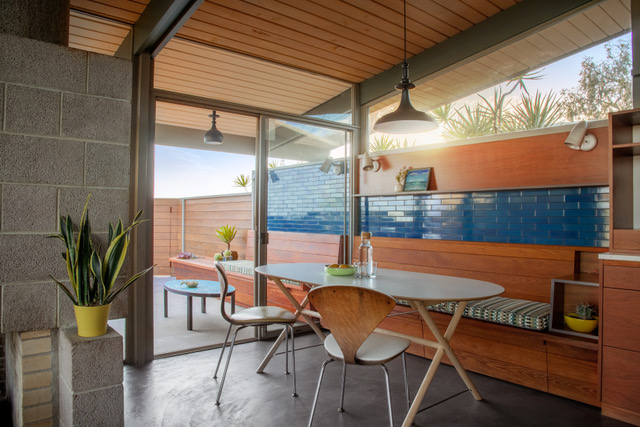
292,55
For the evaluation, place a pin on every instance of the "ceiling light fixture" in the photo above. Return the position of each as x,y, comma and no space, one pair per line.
405,119
213,135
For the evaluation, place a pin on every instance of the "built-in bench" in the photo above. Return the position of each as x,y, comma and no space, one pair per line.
527,354
283,247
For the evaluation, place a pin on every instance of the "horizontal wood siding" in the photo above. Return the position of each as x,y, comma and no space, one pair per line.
167,233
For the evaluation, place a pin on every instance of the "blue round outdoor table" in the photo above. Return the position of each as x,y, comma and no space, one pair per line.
205,288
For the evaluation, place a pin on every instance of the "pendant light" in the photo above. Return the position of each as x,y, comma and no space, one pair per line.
405,119
213,135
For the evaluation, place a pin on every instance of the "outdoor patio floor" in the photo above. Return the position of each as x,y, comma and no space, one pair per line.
170,333
180,391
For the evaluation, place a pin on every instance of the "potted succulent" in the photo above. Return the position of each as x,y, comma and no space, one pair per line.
584,319
92,273
227,234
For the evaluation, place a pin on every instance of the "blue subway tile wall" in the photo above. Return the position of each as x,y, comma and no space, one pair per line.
558,216
304,199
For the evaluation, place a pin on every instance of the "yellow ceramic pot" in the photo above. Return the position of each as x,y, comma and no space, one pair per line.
92,321
580,325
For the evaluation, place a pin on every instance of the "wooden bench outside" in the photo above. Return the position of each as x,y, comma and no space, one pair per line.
283,247
555,363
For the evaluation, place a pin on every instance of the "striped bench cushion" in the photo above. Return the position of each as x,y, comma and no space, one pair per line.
245,266
507,311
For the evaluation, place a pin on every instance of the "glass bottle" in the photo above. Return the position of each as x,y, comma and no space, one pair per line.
365,255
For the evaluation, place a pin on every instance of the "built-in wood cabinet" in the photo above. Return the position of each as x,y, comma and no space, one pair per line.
620,274
624,177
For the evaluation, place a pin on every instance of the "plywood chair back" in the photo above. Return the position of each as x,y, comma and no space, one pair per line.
351,313
224,288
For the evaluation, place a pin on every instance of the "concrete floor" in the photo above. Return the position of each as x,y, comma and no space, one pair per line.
180,391
170,333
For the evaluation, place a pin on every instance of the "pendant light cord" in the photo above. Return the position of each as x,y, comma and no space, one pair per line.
405,30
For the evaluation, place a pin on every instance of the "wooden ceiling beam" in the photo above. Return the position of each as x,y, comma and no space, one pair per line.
517,21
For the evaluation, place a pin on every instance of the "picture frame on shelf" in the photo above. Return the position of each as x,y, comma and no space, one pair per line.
417,179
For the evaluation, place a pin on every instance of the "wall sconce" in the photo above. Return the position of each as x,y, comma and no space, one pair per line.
579,139
338,167
368,164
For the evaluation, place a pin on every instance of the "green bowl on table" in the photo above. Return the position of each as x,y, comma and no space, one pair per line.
340,270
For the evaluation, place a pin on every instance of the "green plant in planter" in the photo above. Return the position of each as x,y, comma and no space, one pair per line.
586,311
91,274
227,234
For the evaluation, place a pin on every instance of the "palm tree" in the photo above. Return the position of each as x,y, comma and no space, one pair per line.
539,111
243,181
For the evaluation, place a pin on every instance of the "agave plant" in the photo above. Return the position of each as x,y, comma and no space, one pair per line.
243,181
226,234
93,276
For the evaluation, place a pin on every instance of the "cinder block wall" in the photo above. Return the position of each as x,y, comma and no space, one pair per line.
65,125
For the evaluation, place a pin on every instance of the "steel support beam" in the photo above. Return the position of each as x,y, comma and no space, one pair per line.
517,21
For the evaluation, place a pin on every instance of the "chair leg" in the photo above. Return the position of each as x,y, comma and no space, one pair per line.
386,374
406,383
286,351
226,339
293,359
315,399
344,376
226,366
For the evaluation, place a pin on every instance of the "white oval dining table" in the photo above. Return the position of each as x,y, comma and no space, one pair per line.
420,290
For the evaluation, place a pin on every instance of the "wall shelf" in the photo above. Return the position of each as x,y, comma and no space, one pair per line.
566,293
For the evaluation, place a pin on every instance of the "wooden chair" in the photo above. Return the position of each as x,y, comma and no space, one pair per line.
253,316
351,314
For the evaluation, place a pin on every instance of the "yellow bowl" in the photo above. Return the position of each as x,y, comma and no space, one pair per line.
346,271
580,325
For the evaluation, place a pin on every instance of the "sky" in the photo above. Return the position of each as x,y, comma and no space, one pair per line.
181,172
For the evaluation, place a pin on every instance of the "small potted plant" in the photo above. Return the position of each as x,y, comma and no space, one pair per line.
227,234
93,273
584,319
400,177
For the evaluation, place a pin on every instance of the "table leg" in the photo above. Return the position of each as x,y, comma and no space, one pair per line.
166,306
189,313
299,307
203,304
443,347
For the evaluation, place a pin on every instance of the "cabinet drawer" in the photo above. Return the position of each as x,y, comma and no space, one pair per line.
621,378
621,277
620,321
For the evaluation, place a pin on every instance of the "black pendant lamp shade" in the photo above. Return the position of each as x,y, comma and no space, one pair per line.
213,135
405,118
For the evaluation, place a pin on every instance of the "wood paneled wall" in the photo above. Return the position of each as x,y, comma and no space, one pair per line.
203,216
535,161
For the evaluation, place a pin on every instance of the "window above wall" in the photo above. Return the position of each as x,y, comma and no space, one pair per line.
549,78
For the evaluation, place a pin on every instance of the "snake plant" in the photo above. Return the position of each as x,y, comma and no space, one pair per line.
92,275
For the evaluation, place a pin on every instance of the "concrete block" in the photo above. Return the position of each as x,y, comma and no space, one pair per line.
35,346
37,413
106,205
38,362
37,380
93,118
66,314
90,363
32,111
110,76
2,91
37,397
107,165
29,208
30,257
37,160
29,306
104,407
23,61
